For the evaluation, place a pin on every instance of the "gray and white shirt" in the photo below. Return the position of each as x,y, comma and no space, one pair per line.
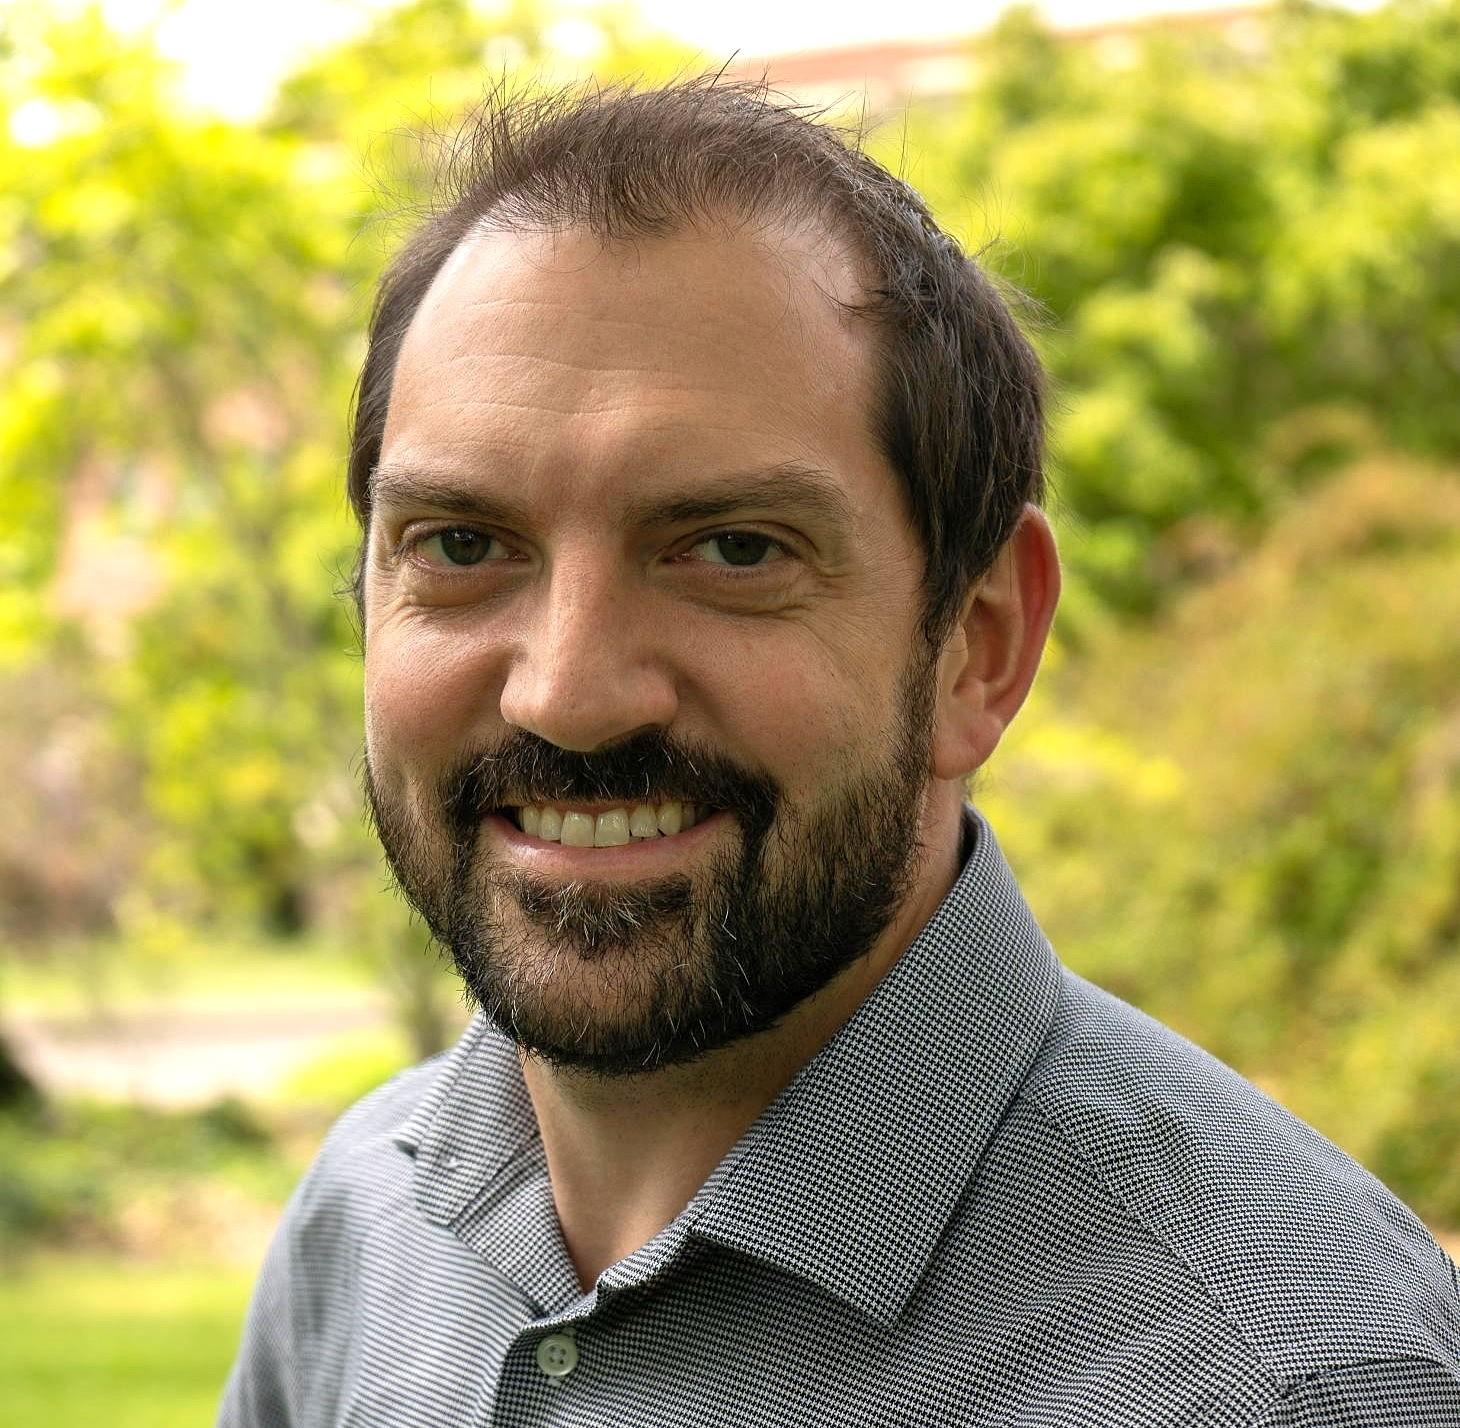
998,1196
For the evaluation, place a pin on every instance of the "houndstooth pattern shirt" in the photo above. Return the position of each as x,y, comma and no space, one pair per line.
998,1196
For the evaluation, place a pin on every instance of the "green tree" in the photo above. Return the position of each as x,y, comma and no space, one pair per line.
1247,250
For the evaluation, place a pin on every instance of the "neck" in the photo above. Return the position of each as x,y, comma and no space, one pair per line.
626,1155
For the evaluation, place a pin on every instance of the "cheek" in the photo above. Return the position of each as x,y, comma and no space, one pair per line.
809,713
424,694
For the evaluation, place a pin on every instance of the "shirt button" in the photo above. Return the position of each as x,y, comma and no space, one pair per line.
557,1355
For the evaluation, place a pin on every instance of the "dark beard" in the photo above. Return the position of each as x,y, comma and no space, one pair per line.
678,966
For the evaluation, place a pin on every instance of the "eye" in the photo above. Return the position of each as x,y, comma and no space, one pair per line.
460,546
740,548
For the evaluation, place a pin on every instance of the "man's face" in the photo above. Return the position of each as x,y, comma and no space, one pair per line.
633,548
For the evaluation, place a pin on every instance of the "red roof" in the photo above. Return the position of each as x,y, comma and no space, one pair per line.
891,71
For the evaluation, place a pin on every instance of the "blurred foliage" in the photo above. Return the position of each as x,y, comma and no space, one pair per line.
1246,817
337,1078
1246,241
135,1179
1235,796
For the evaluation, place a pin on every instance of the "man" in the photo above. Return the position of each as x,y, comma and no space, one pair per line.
703,564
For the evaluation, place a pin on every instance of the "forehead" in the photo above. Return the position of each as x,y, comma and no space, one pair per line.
587,368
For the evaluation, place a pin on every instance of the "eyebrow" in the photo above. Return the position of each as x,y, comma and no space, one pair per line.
396,485
794,487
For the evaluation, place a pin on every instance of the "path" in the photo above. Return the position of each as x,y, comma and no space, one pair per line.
184,1057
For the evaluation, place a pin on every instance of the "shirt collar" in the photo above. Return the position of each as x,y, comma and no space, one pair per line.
850,1175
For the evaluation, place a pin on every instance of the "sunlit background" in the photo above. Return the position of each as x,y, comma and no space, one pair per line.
1234,798
233,57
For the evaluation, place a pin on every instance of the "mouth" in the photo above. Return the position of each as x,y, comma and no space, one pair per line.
606,825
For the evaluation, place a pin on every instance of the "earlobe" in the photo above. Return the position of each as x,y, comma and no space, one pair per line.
987,667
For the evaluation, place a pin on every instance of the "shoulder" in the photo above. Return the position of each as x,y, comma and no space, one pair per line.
1419,1393
1306,1255
364,1163
298,1335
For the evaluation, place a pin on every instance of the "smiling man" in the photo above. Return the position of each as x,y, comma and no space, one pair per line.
703,564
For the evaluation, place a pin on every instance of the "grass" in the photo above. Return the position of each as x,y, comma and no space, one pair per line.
130,1345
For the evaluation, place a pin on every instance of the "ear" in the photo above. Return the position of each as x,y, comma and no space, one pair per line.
989,662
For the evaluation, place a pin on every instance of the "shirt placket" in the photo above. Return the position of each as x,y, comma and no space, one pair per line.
547,1378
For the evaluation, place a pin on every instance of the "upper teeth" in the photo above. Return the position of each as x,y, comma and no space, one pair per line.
606,830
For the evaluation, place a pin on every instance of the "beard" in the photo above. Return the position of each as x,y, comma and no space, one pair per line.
617,980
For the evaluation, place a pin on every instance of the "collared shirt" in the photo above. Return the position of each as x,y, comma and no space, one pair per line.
997,1196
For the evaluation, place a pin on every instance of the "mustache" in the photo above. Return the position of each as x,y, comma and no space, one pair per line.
525,768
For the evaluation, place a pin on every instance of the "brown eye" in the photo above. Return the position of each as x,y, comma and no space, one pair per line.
740,548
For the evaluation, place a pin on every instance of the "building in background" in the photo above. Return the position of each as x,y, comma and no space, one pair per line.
892,73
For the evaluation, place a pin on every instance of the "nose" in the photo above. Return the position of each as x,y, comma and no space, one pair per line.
589,671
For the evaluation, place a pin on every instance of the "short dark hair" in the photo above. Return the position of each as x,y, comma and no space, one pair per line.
960,396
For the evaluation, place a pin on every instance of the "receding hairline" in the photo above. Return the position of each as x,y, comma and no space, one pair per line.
778,231
803,250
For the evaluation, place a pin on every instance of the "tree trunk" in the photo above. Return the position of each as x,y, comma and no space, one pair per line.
18,1090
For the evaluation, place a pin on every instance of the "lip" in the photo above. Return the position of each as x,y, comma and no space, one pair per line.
638,858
